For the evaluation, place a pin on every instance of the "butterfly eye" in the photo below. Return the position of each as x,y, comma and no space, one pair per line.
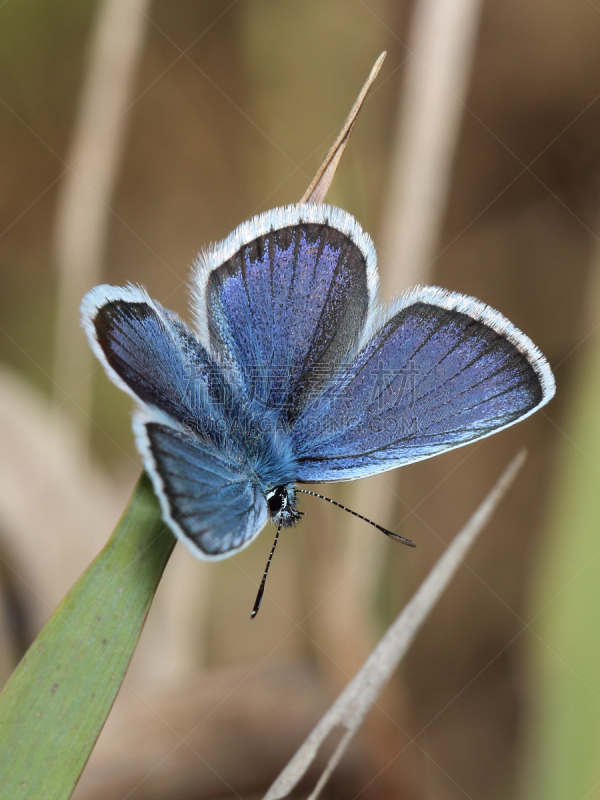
276,500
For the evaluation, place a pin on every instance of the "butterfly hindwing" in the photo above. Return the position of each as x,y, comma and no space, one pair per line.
443,371
206,495
288,300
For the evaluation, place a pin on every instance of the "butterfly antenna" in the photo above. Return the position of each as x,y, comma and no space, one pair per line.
360,516
261,589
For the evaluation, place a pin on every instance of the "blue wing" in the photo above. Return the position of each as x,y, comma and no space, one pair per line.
286,298
147,351
206,495
198,471
443,371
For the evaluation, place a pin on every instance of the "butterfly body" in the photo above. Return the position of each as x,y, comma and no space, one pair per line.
294,375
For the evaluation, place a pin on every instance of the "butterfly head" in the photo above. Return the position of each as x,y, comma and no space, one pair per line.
281,502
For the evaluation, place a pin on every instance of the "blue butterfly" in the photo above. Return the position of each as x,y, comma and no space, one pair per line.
293,374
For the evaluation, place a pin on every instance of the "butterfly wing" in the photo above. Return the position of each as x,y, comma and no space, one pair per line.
207,495
443,371
149,353
286,298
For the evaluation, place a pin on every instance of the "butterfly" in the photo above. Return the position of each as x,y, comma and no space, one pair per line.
294,374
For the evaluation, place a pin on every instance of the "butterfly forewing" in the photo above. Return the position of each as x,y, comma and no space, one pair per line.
434,377
148,351
288,307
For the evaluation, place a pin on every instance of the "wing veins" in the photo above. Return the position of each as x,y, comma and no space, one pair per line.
343,251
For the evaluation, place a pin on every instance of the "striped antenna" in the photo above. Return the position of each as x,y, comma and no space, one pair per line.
360,516
261,589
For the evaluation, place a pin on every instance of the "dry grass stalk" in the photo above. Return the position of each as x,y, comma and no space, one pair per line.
94,158
442,41
320,184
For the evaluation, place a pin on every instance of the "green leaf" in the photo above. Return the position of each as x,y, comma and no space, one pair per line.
55,704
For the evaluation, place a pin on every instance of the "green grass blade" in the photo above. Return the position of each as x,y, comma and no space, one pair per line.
56,702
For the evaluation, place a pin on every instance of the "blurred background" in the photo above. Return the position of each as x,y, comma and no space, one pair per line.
135,132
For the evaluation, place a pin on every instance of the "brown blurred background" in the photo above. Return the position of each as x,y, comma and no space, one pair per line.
228,111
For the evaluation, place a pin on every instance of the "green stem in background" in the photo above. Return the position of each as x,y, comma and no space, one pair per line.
56,702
